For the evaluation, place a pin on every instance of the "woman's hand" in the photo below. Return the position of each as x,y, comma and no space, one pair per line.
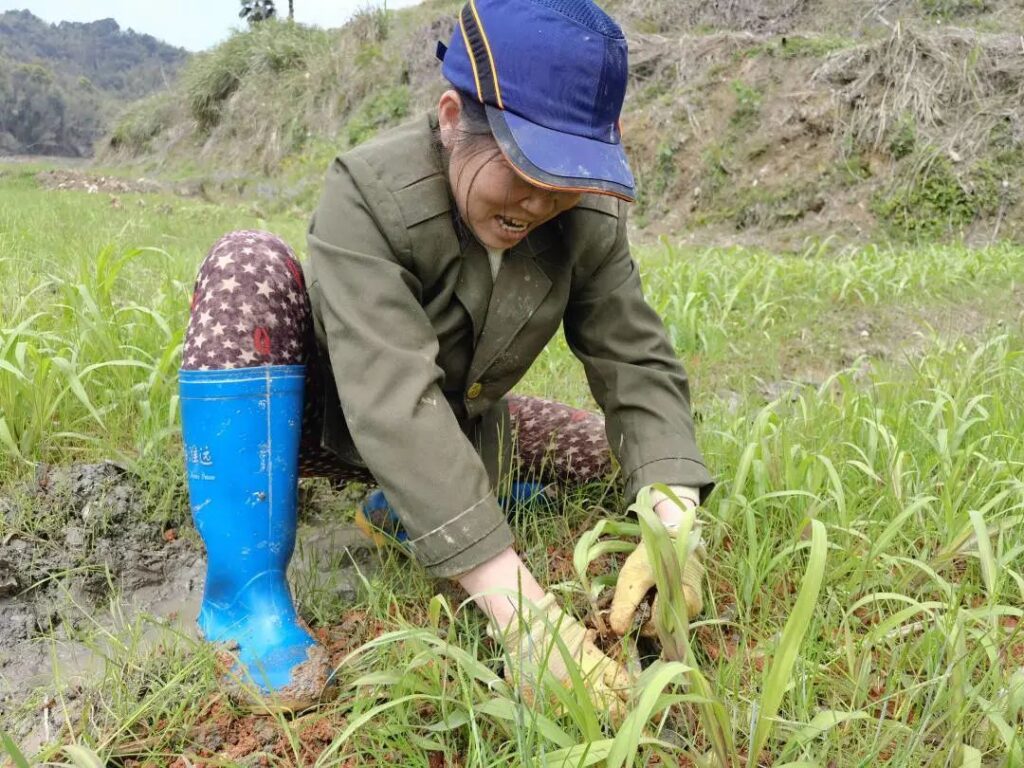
545,639
636,577
527,620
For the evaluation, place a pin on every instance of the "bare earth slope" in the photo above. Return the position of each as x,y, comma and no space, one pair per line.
779,123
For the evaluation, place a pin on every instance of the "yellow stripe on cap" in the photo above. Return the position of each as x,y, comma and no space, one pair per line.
490,56
472,61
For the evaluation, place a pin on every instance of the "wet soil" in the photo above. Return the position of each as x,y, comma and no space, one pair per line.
53,583
101,567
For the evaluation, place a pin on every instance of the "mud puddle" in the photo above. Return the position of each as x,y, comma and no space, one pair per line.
108,579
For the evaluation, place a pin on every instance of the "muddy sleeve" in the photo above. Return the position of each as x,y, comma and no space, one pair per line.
383,353
634,373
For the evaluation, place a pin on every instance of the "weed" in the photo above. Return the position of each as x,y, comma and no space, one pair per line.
796,47
811,46
655,182
951,9
380,109
748,104
936,200
904,138
903,476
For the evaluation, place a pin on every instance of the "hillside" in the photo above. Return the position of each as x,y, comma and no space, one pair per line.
62,84
806,119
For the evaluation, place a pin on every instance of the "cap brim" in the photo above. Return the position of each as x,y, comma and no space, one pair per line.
561,161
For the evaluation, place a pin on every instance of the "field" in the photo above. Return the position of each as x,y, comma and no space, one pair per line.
861,409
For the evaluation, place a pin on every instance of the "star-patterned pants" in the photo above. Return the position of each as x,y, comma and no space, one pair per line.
250,308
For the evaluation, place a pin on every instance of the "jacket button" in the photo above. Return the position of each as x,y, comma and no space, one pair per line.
474,390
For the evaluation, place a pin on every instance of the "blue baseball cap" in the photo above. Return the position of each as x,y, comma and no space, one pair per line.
551,75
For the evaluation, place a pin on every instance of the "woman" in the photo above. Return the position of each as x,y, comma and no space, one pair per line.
443,257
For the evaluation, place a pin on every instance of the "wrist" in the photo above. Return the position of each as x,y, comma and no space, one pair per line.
668,510
500,586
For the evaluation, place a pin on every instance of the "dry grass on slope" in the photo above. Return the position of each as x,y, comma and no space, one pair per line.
872,125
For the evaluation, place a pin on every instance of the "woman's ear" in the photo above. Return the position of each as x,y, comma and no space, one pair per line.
449,112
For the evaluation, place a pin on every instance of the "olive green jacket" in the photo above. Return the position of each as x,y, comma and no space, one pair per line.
421,347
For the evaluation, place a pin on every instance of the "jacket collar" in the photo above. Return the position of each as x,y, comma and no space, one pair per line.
519,289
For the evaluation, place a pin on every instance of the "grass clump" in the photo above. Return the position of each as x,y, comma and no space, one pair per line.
936,200
268,93
141,123
748,104
269,49
797,47
951,9
655,180
864,571
376,111
953,88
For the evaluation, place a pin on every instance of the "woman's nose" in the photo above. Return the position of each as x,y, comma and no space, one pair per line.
539,202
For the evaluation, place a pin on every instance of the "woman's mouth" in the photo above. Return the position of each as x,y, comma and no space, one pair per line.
512,225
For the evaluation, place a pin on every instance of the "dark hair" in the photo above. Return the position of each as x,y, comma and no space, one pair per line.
473,135
473,121
473,131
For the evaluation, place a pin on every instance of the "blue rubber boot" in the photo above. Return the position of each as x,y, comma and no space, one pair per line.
522,494
241,430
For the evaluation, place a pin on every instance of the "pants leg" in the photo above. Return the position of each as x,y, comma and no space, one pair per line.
554,442
250,308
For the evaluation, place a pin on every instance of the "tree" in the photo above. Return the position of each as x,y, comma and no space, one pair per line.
255,11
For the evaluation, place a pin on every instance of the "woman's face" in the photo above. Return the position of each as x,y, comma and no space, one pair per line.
500,207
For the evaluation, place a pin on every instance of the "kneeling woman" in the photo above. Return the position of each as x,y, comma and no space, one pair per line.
444,255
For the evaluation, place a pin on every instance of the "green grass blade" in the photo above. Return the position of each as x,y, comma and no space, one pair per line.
651,684
796,627
822,723
20,761
988,560
83,757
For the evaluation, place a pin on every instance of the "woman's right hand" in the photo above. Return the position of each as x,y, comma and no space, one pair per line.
531,649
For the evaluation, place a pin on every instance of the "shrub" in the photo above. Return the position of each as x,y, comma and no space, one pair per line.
377,111
141,123
934,200
748,103
271,47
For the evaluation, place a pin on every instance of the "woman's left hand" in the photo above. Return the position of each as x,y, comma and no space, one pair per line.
636,577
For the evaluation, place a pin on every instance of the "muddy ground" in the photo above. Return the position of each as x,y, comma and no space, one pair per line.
105,570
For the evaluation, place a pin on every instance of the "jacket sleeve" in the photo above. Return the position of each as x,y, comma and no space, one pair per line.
383,352
633,373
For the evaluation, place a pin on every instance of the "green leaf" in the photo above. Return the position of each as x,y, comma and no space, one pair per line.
654,681
988,560
77,388
970,757
84,757
506,709
822,722
20,761
11,369
8,439
778,676
580,755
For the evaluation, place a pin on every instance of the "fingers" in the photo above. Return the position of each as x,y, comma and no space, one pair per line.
613,702
649,629
635,578
615,676
610,684
693,577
